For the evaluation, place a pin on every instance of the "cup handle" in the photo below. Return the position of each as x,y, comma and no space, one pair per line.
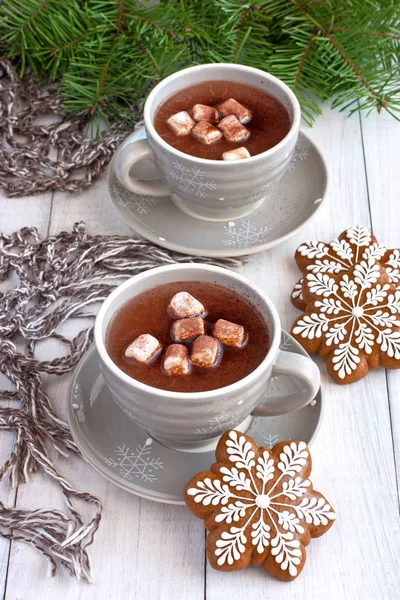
129,156
300,369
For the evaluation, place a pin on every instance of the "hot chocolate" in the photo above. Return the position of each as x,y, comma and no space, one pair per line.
213,118
209,339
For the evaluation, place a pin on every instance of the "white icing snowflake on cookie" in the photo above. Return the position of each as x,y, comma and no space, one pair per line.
353,245
352,320
259,506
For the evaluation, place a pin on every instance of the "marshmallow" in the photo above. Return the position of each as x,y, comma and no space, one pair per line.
232,107
185,330
176,360
202,112
206,133
229,334
143,348
236,154
181,123
183,305
233,130
206,352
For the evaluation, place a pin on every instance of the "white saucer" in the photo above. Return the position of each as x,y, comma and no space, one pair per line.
291,202
123,452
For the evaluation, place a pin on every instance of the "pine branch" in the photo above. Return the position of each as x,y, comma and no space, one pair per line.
108,52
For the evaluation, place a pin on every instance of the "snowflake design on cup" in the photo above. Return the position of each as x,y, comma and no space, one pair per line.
353,245
191,180
300,152
352,320
221,422
259,506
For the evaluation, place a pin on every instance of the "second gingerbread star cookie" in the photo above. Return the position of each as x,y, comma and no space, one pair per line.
352,320
352,246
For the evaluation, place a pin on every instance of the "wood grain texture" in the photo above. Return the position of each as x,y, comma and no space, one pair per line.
147,550
381,147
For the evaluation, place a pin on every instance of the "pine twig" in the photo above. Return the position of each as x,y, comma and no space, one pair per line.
149,58
103,77
302,60
382,34
120,4
33,16
76,40
149,22
239,30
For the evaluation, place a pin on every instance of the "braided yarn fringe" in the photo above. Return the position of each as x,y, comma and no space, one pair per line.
27,147
51,281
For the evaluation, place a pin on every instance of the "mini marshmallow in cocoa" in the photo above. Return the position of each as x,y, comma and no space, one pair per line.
186,330
230,334
233,130
206,133
181,123
206,352
176,360
143,348
236,154
183,305
232,107
203,112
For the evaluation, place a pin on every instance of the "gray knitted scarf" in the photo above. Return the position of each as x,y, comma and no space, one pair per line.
48,282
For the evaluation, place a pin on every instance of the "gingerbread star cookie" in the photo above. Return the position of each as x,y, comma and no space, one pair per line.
352,320
352,246
259,506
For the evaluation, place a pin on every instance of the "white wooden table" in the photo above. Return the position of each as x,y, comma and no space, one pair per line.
153,551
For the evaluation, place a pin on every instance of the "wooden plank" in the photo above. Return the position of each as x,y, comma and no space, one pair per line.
352,457
92,206
14,214
381,146
24,212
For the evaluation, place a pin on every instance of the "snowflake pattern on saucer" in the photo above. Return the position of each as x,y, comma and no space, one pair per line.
352,320
244,234
137,464
259,506
353,245
136,202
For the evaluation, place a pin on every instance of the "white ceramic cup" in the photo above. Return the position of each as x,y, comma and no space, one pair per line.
202,188
182,420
